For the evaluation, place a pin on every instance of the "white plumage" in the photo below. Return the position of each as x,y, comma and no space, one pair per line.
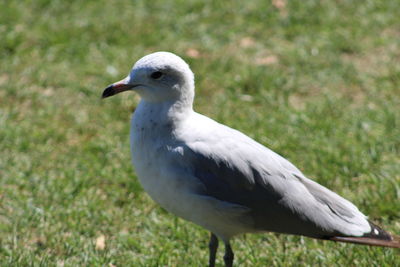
215,176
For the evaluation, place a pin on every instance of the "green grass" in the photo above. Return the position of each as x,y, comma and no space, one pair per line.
316,81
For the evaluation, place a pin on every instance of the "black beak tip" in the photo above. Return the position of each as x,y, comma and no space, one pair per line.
109,91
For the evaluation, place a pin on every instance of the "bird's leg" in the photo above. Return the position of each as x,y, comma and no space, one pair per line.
228,257
213,246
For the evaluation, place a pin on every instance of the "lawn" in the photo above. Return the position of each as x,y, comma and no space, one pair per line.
316,81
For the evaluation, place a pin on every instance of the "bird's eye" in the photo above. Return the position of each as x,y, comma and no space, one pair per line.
156,75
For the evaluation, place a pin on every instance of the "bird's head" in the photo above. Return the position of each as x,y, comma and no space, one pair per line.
158,77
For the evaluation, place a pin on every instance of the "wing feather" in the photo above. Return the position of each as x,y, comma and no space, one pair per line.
236,169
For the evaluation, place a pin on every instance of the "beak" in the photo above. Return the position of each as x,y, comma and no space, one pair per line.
117,87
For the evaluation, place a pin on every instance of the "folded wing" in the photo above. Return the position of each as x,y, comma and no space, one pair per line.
236,169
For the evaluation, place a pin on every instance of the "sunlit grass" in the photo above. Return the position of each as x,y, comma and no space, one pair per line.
318,82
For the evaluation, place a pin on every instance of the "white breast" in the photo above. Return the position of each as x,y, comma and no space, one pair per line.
150,144
152,148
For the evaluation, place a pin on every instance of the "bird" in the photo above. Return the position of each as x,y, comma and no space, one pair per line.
221,179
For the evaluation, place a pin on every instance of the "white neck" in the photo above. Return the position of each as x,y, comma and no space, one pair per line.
166,113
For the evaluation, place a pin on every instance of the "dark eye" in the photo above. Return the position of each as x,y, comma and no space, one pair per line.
156,75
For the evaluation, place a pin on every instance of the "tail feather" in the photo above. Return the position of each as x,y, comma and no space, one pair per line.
377,237
368,241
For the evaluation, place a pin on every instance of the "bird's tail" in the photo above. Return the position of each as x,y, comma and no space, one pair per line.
377,237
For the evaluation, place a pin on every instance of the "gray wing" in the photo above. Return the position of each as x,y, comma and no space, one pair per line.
236,169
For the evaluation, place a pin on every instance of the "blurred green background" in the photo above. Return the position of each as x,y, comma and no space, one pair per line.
316,81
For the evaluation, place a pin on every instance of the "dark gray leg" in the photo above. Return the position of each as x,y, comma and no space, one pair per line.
213,246
228,257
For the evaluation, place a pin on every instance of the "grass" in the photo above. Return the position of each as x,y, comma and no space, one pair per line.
316,81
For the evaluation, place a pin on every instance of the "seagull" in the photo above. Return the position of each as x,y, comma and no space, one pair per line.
221,179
